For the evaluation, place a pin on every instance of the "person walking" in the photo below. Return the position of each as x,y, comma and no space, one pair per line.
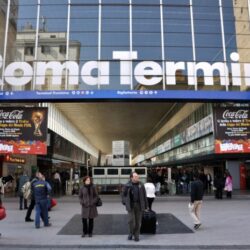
196,200
22,201
88,197
41,200
32,199
150,192
135,199
228,184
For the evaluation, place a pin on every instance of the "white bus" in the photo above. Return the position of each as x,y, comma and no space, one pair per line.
111,179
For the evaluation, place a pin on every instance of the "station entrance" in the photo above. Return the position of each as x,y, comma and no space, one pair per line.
171,140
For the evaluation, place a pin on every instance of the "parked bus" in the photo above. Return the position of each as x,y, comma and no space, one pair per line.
111,179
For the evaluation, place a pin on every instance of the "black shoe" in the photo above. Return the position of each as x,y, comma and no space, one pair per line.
196,226
130,237
137,239
83,235
90,235
29,220
48,225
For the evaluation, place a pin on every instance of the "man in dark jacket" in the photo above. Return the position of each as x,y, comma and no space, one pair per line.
41,193
32,201
196,200
135,199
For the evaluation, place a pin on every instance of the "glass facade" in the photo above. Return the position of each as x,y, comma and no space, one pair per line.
122,44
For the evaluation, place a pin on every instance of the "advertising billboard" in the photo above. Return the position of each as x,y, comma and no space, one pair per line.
232,130
23,130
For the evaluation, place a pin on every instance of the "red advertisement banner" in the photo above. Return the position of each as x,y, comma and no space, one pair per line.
232,130
23,130
232,146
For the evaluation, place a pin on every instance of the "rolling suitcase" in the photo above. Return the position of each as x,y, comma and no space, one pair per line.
148,223
53,202
2,212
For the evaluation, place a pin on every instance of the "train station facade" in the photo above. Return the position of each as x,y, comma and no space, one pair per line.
190,58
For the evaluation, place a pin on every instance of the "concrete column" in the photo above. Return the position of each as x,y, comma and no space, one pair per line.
169,174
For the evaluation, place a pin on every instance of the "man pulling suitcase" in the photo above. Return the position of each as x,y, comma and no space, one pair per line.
135,199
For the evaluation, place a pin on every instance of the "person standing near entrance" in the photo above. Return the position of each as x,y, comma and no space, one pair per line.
228,184
57,183
135,199
21,181
88,198
196,200
209,182
219,184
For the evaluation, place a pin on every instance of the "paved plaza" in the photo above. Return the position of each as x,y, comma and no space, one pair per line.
225,225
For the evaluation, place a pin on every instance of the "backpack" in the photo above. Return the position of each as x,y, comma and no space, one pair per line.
26,190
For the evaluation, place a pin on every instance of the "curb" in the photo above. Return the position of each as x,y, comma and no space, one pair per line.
119,246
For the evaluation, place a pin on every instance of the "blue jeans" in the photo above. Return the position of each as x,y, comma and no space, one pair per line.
41,210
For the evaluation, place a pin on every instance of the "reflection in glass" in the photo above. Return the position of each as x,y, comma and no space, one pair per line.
95,29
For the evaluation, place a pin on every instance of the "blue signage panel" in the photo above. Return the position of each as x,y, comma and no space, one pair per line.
168,95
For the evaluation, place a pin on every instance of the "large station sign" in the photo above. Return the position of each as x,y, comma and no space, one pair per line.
135,79
23,130
89,95
232,130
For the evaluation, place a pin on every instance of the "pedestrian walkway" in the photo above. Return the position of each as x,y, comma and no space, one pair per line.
225,225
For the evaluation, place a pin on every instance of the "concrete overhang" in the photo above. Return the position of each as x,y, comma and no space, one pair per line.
103,122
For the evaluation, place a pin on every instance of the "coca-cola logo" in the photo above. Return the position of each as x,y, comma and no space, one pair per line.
240,114
13,115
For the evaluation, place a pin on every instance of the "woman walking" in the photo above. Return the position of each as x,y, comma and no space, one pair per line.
88,198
